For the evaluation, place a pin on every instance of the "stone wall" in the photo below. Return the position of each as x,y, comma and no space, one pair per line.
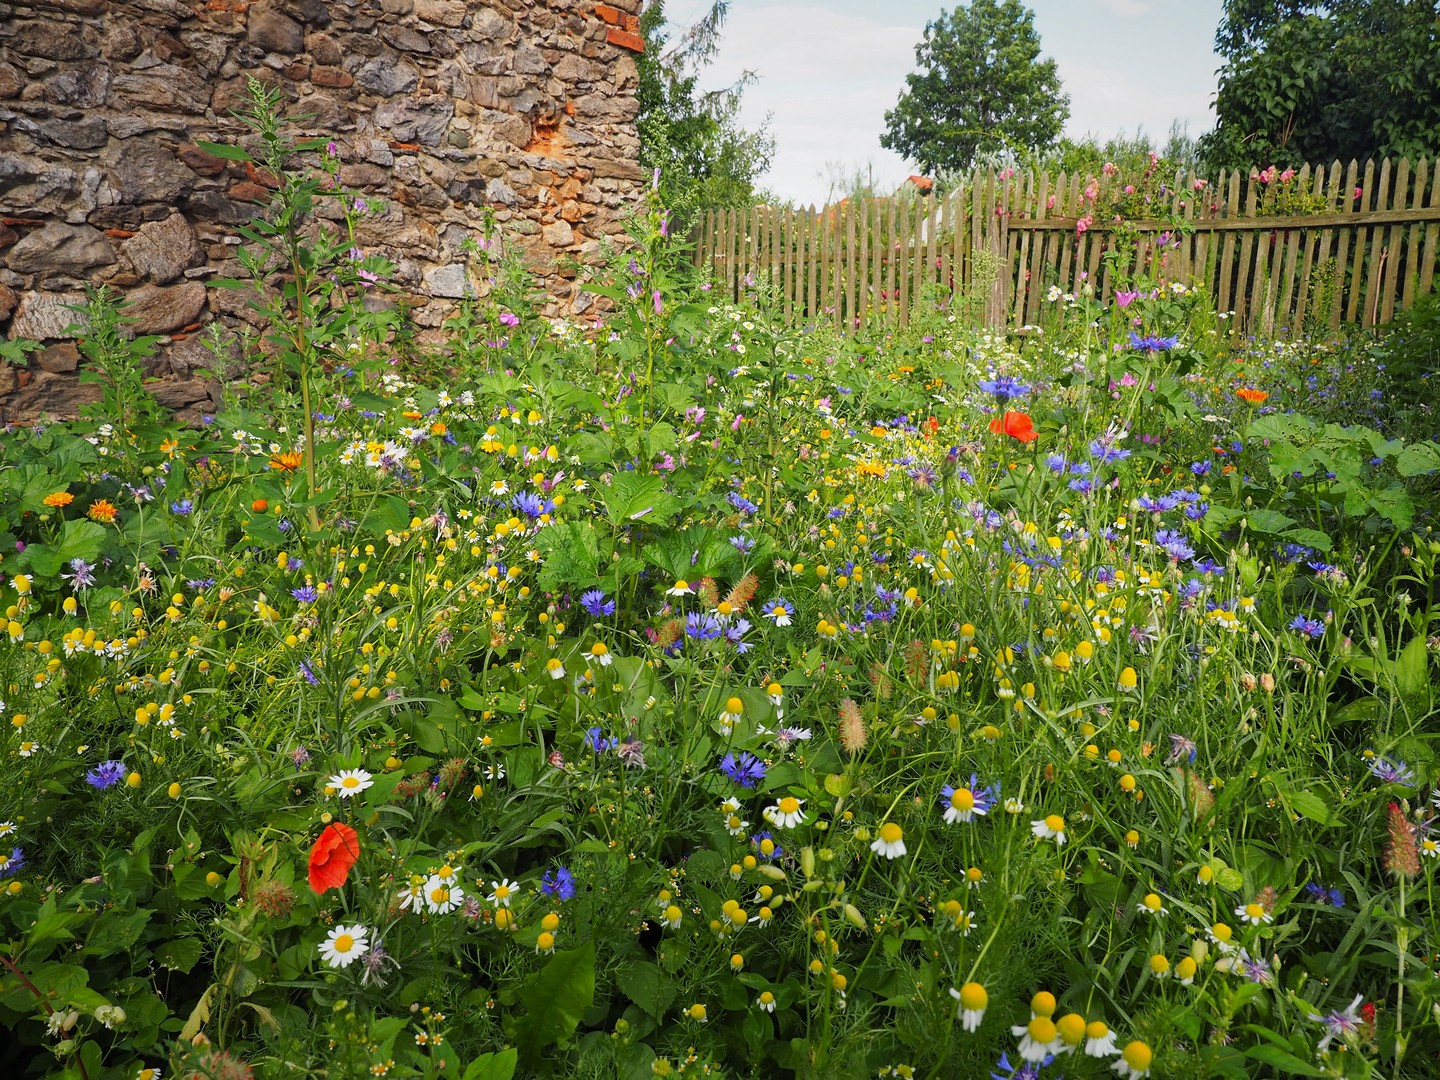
439,108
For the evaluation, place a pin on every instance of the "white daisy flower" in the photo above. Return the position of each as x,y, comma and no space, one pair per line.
786,813
1051,827
890,842
345,945
350,782
504,892
442,895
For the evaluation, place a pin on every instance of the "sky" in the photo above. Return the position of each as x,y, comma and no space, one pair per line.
828,71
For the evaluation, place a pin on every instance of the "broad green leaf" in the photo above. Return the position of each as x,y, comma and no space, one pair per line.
1283,1061
647,986
497,1066
556,1000
1412,668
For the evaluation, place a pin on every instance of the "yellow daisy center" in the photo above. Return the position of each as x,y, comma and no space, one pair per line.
962,799
891,833
344,943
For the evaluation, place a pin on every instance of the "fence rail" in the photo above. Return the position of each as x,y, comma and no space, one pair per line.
1364,246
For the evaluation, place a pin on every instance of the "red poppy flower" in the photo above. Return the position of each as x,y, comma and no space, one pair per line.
1015,424
332,857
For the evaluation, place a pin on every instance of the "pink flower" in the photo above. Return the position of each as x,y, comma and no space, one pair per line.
1200,184
1287,176
1129,189
1083,224
1124,299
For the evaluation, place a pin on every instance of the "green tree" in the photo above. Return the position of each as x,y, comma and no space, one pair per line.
981,89
1320,80
705,157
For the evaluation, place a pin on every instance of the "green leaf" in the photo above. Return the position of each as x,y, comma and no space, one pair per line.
557,999
1412,668
179,954
1418,459
498,1066
1268,521
631,497
220,150
1309,805
647,986
1311,538
1282,1060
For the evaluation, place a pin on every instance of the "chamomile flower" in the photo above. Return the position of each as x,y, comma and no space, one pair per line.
973,1001
1099,1040
680,588
6,829
503,892
345,945
765,1001
555,668
350,782
1071,1027
1254,914
890,841
1038,1039
671,916
966,803
786,813
779,611
412,897
442,895
1135,1059
1152,905
1050,827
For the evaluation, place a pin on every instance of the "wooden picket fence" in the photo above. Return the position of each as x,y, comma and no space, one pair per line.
1365,249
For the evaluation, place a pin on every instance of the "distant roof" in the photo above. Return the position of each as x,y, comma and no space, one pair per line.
924,183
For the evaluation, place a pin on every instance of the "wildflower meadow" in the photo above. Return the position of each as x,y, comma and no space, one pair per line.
685,691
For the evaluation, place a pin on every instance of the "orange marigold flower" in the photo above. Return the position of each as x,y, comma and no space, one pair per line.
289,461
58,499
1017,425
102,510
1254,397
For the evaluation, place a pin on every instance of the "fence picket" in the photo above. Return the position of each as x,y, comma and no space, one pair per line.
1412,240
1392,252
1432,235
863,260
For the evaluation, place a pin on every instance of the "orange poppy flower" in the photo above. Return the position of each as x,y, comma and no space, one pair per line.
1017,425
1254,397
289,461
103,510
332,857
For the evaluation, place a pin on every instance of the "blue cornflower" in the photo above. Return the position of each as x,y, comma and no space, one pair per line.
746,770
701,627
744,505
1153,342
530,504
735,635
1174,545
182,507
200,584
1181,746
1055,463
1322,894
595,738
1195,511
1311,628
1104,453
1200,468
106,774
559,883
306,594
596,605
1027,1070
1004,387
309,674
1390,772
743,544
292,564
13,864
